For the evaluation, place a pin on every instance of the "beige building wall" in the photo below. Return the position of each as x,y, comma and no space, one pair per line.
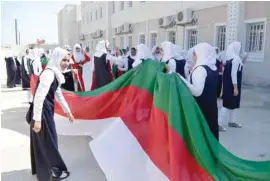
68,32
256,72
144,17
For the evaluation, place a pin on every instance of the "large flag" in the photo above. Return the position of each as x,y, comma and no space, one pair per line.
158,131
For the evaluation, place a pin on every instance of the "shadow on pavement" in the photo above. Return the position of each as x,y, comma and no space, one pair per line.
75,151
18,175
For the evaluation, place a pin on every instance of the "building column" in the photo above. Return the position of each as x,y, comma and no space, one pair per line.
108,30
235,22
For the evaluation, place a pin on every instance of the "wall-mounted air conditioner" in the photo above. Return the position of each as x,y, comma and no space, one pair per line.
165,22
128,28
119,30
184,17
82,37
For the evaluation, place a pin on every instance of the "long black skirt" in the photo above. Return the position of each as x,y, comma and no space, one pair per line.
45,157
11,72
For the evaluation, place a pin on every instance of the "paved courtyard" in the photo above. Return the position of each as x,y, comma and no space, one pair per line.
251,142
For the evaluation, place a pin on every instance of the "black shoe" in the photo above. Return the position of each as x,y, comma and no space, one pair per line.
234,125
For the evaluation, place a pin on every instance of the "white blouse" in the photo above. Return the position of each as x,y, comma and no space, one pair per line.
46,79
235,66
25,64
172,66
198,80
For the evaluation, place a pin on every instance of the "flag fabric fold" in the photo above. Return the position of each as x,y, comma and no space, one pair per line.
164,119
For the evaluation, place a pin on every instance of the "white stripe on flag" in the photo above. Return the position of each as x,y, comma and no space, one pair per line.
115,148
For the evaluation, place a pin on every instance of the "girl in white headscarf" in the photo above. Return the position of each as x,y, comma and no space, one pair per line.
143,53
232,80
36,61
156,53
25,70
166,52
203,83
102,65
181,64
46,159
128,60
79,58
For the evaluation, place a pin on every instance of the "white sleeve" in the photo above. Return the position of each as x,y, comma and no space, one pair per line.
25,64
60,98
172,66
136,63
45,81
235,66
113,59
198,80
124,66
186,70
37,67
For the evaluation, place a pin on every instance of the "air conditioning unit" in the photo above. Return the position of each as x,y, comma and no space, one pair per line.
166,22
122,28
184,17
98,33
119,30
128,28
82,37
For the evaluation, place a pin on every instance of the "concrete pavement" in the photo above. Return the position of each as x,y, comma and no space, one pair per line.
250,142
15,147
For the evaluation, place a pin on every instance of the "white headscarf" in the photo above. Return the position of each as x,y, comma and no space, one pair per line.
143,52
9,53
68,48
78,56
206,55
54,63
101,48
167,48
233,52
178,51
157,56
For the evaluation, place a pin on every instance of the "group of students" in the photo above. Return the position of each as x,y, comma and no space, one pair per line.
19,70
205,73
197,68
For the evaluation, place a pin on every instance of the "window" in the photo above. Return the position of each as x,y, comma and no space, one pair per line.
129,4
153,39
255,37
221,37
192,38
96,14
122,41
83,19
142,39
87,18
122,4
113,43
91,16
113,7
100,13
171,36
129,41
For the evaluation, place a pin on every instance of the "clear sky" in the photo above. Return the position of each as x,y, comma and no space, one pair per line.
36,19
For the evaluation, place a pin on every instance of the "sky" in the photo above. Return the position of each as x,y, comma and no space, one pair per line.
36,19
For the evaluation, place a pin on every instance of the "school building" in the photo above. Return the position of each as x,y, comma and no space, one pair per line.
127,23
